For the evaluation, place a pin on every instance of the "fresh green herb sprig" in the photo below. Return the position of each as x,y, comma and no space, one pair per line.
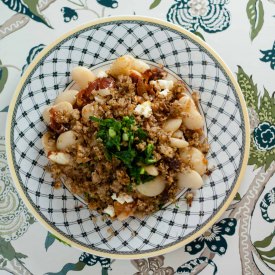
120,139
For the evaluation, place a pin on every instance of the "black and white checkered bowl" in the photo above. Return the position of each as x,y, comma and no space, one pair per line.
94,45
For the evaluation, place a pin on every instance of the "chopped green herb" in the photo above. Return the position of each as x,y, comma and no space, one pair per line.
112,132
146,177
118,135
149,154
142,135
87,196
125,137
130,187
161,206
127,157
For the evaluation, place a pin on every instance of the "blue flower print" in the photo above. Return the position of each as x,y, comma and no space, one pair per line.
69,14
264,136
210,15
108,3
91,260
269,56
213,238
34,51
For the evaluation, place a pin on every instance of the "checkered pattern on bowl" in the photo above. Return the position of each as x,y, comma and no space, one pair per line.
94,46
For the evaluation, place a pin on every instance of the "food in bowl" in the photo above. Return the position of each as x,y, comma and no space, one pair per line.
128,140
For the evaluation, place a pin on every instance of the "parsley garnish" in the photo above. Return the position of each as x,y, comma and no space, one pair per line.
120,139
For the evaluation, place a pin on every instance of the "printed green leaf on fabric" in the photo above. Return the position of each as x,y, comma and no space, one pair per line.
5,110
32,220
249,89
4,263
69,267
28,8
259,157
50,239
237,197
199,35
19,255
3,77
8,252
256,157
155,4
267,105
255,14
267,255
261,111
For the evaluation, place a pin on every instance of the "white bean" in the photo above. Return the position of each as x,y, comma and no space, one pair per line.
171,124
163,84
101,74
87,111
67,96
199,162
82,76
46,115
189,179
100,99
151,170
109,210
66,139
121,66
152,188
192,119
60,158
63,107
48,143
140,66
178,143
196,159
104,92
185,154
178,134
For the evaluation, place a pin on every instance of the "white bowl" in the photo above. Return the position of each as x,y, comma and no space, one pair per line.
95,45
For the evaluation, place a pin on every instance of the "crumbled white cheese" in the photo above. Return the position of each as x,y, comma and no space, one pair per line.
104,92
100,99
60,157
163,84
144,109
128,198
101,74
114,197
122,198
110,211
164,92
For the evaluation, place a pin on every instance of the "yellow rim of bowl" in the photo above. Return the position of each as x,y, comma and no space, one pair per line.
141,254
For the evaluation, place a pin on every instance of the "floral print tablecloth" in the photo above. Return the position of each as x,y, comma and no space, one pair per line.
243,241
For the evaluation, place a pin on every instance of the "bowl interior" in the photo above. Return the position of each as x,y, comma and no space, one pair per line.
96,45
